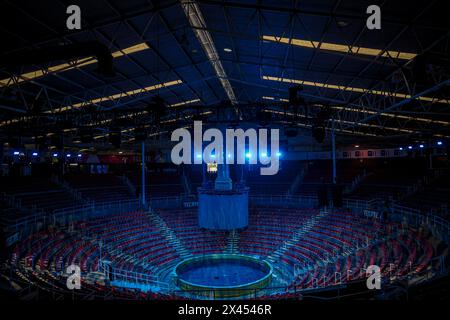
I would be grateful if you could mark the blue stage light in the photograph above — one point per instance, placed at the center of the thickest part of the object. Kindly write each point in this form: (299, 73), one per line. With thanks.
(79, 155)
(421, 146)
(55, 154)
(16, 153)
(279, 154)
(248, 155)
(34, 154)
(199, 156)
(401, 148)
(439, 143)
(263, 154)
(68, 155)
(409, 147)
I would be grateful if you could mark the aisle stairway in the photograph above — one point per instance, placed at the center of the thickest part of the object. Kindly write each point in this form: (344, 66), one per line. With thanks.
(123, 256)
(296, 236)
(169, 235)
(233, 242)
(298, 180)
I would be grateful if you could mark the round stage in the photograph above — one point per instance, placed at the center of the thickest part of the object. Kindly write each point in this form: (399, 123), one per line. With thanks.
(223, 275)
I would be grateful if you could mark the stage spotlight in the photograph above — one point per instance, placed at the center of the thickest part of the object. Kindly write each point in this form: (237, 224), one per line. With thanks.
(68, 155)
(279, 154)
(248, 155)
(263, 154)
(79, 155)
(34, 154)
(55, 155)
(409, 147)
(401, 148)
(16, 153)
(199, 156)
(421, 146)
(439, 143)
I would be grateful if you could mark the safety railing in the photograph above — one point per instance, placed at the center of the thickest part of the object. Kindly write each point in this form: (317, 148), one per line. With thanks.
(438, 225)
(303, 201)
(401, 214)
(283, 200)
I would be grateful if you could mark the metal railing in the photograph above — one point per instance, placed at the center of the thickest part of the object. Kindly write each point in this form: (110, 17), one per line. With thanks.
(401, 214)
(411, 216)
(304, 201)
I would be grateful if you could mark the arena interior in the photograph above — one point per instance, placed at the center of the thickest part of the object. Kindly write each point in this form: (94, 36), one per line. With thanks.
(354, 100)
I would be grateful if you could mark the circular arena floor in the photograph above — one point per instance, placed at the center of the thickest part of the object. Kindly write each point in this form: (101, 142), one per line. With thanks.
(223, 275)
(286, 251)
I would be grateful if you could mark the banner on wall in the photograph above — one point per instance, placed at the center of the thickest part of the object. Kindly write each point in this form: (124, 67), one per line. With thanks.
(190, 204)
(371, 214)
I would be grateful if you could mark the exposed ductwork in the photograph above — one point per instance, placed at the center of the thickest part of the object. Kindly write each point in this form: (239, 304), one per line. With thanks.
(64, 52)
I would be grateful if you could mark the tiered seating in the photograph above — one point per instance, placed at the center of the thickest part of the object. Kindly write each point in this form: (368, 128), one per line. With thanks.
(10, 214)
(100, 187)
(434, 197)
(196, 240)
(134, 235)
(408, 254)
(37, 192)
(133, 239)
(269, 228)
(160, 182)
(278, 184)
(321, 172)
(337, 247)
(390, 180)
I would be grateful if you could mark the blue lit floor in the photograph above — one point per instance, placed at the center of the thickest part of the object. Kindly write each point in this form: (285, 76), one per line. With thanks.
(134, 285)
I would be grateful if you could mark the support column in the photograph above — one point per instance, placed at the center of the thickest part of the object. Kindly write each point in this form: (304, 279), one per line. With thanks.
(1, 159)
(333, 144)
(430, 154)
(143, 201)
